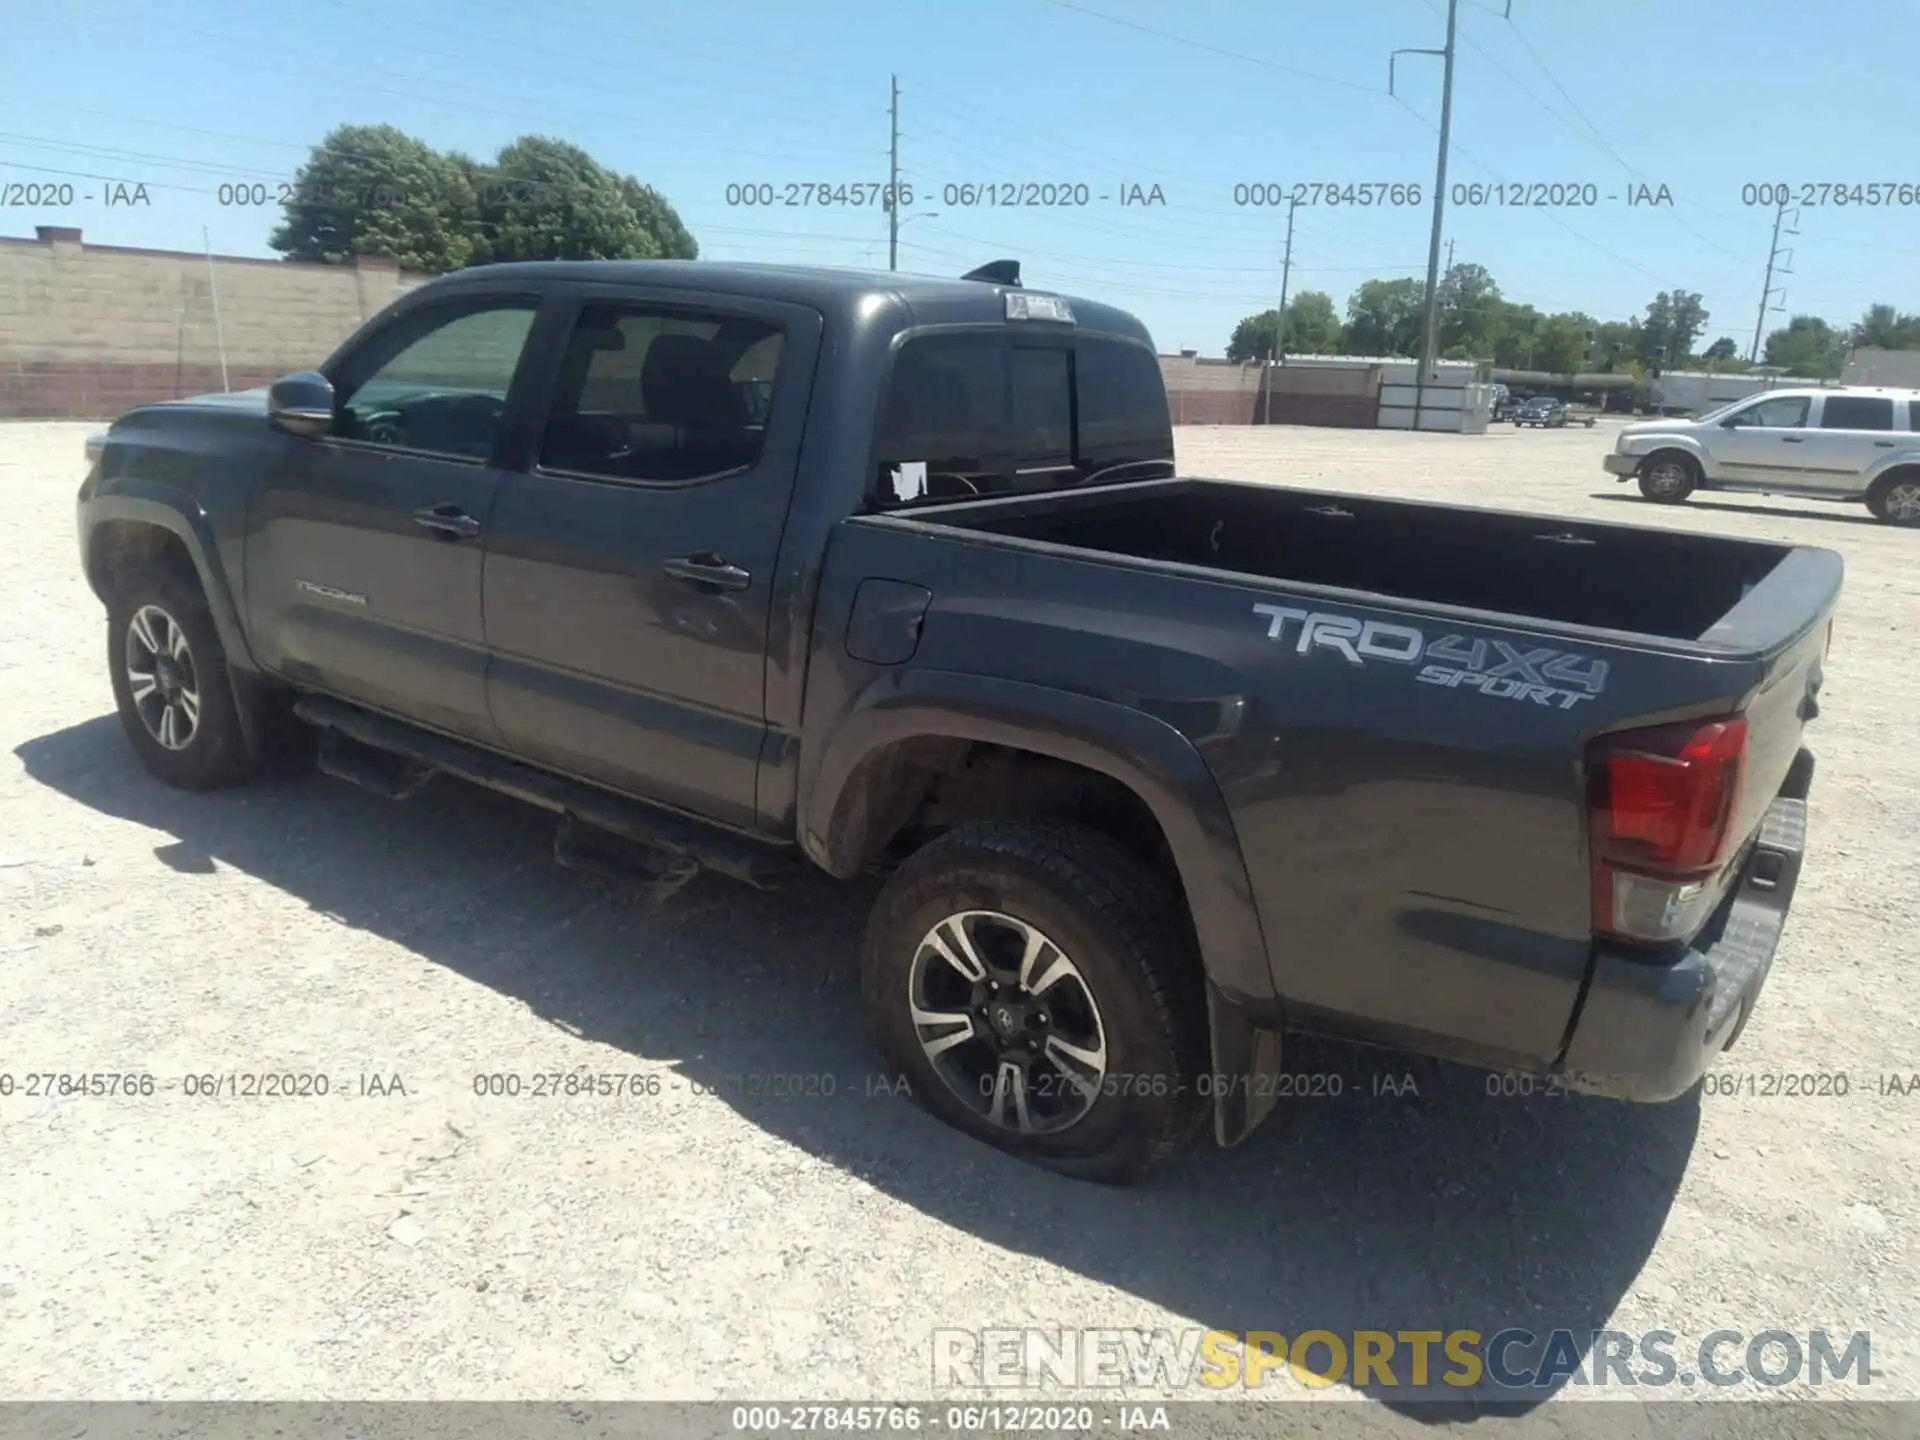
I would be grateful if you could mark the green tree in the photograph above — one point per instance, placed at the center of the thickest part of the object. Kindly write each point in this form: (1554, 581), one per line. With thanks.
(1616, 344)
(1313, 328)
(1470, 307)
(1885, 328)
(1808, 346)
(1721, 349)
(660, 220)
(374, 190)
(545, 199)
(1384, 317)
(1516, 336)
(1255, 337)
(1562, 342)
(1313, 324)
(1674, 321)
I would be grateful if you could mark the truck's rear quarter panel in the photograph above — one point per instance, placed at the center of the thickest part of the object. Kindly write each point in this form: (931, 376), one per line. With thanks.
(1417, 849)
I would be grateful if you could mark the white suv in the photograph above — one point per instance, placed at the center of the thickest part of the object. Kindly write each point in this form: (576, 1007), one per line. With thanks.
(1846, 443)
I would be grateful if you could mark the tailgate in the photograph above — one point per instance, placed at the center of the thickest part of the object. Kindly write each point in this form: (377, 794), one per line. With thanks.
(1788, 619)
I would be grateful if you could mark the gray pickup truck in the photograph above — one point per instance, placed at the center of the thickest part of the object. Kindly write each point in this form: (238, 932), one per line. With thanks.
(753, 568)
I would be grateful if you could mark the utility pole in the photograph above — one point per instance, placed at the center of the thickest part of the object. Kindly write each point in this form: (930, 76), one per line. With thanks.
(1766, 285)
(1278, 352)
(1430, 338)
(1449, 257)
(893, 175)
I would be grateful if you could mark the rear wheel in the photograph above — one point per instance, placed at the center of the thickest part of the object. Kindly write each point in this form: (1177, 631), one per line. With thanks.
(170, 682)
(1895, 498)
(1669, 478)
(1037, 987)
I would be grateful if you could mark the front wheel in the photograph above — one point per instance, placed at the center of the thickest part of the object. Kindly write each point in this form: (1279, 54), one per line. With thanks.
(1037, 987)
(1668, 479)
(1895, 499)
(170, 683)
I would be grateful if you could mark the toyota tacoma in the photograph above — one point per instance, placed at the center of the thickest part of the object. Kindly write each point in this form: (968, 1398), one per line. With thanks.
(757, 568)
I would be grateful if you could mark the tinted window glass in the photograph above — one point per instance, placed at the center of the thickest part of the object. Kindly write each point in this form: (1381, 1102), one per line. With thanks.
(1123, 406)
(946, 413)
(1042, 410)
(984, 414)
(652, 394)
(1913, 415)
(1856, 412)
(1785, 413)
(445, 389)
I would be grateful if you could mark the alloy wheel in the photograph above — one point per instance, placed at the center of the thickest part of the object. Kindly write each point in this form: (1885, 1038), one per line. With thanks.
(1903, 502)
(1669, 477)
(1008, 1022)
(161, 677)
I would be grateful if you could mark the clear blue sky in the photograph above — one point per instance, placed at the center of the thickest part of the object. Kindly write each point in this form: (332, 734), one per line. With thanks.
(1702, 96)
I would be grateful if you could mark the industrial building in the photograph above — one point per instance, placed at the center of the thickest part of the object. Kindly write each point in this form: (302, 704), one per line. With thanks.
(1357, 392)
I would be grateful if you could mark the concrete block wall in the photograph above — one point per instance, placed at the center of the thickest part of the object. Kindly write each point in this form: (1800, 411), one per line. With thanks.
(1210, 392)
(87, 331)
(1340, 392)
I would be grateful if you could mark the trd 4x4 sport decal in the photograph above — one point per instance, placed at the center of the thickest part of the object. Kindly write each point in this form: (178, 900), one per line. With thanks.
(1493, 667)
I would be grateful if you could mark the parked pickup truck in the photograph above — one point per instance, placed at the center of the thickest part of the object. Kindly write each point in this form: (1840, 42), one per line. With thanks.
(751, 568)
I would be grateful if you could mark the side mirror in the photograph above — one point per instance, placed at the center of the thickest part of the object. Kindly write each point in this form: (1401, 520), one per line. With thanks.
(1732, 424)
(301, 404)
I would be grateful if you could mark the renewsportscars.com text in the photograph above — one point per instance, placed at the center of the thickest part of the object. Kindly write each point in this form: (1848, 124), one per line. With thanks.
(1513, 1358)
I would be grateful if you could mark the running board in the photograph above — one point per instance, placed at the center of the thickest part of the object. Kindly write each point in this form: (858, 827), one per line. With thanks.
(409, 756)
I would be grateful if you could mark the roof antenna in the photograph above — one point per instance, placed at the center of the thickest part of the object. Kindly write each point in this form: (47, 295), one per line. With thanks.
(996, 272)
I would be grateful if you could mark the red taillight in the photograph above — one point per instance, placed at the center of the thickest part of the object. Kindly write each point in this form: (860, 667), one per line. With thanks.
(1662, 808)
(1671, 813)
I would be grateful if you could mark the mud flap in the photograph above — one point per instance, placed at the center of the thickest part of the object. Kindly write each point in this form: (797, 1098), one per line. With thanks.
(1246, 1069)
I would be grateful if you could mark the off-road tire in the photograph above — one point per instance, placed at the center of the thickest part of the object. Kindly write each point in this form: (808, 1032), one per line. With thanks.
(1126, 932)
(216, 753)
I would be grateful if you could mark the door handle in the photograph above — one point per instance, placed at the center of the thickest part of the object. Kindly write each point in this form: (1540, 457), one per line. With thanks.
(1793, 439)
(709, 570)
(447, 519)
(1883, 444)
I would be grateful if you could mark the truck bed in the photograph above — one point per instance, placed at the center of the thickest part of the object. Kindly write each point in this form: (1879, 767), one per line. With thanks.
(1669, 583)
(1394, 699)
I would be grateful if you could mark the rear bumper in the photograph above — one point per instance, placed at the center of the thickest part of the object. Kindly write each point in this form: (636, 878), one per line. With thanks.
(1647, 1031)
(1621, 465)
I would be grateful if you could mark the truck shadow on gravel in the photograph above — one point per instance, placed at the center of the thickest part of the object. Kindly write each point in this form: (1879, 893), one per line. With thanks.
(1834, 514)
(1413, 1199)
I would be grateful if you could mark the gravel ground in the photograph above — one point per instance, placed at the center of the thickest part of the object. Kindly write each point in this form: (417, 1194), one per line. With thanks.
(714, 1239)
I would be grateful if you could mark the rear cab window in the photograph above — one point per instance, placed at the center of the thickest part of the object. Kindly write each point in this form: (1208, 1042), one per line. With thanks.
(987, 412)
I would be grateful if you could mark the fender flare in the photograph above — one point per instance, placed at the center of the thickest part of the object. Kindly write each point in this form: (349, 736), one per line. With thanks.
(1149, 756)
(147, 502)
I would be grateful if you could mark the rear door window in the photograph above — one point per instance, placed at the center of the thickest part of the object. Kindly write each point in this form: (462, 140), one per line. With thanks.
(661, 395)
(1856, 412)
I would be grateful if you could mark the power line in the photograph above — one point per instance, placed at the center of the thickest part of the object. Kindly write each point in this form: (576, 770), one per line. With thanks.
(1192, 44)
